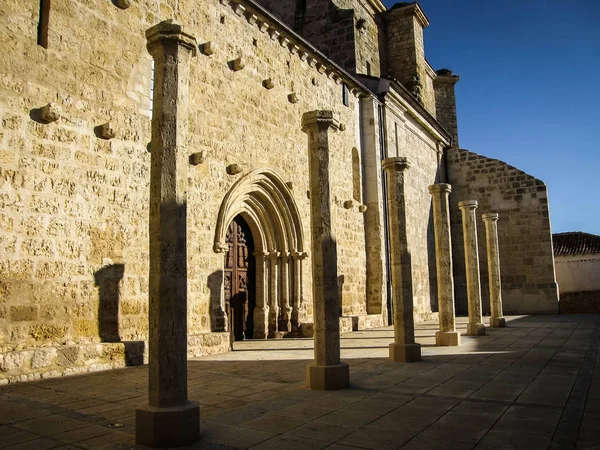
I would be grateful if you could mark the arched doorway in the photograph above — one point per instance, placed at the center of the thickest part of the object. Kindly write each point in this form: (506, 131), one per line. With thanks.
(263, 201)
(239, 275)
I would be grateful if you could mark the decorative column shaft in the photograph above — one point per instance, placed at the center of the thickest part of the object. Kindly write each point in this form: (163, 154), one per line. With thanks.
(404, 348)
(443, 260)
(327, 371)
(261, 309)
(475, 327)
(285, 325)
(297, 288)
(273, 258)
(491, 232)
(169, 419)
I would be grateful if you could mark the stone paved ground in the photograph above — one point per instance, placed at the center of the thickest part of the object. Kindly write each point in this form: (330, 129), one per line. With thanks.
(532, 385)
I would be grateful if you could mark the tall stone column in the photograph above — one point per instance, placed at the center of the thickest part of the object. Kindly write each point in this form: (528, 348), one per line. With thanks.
(261, 309)
(169, 419)
(475, 327)
(327, 371)
(404, 348)
(491, 233)
(285, 325)
(273, 258)
(443, 261)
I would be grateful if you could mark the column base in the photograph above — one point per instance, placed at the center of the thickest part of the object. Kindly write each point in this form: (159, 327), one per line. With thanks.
(327, 378)
(167, 427)
(497, 322)
(405, 352)
(447, 338)
(475, 329)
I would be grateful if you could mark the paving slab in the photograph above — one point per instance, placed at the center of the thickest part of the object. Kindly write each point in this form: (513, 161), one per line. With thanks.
(532, 385)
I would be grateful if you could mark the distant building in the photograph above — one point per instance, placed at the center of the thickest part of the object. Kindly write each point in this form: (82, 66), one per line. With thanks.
(577, 260)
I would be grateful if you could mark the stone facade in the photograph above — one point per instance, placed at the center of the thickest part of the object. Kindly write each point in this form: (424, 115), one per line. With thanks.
(524, 235)
(75, 172)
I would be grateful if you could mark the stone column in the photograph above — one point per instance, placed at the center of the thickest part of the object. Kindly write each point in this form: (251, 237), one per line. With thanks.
(273, 258)
(475, 327)
(327, 371)
(404, 348)
(297, 288)
(261, 309)
(285, 313)
(443, 261)
(169, 419)
(491, 232)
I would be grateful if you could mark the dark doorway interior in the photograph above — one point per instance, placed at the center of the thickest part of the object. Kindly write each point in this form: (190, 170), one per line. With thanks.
(240, 280)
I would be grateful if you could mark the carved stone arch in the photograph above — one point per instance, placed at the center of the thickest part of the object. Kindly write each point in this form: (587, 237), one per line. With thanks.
(269, 208)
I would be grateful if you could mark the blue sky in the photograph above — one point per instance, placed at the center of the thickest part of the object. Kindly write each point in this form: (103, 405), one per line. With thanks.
(529, 91)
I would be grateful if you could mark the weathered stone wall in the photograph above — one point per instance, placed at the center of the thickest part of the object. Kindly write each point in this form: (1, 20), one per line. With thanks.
(74, 206)
(406, 51)
(524, 235)
(407, 138)
(445, 105)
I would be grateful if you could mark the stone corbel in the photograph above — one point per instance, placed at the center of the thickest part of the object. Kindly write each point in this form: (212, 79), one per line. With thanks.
(294, 49)
(238, 64)
(321, 68)
(122, 4)
(303, 55)
(362, 208)
(107, 131)
(198, 158)
(238, 8)
(234, 169)
(268, 84)
(348, 204)
(342, 127)
(274, 33)
(284, 41)
(251, 18)
(263, 26)
(50, 113)
(293, 97)
(208, 48)
(220, 247)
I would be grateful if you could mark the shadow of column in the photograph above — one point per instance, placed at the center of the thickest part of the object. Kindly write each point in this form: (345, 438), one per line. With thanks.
(107, 279)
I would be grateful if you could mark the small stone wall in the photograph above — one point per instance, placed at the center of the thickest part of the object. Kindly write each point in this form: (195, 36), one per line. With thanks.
(584, 302)
(52, 362)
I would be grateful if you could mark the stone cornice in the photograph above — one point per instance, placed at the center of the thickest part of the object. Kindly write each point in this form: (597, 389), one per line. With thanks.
(415, 10)
(377, 5)
(258, 16)
(453, 79)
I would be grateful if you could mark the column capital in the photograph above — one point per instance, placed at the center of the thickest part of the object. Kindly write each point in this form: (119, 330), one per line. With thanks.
(440, 187)
(169, 31)
(299, 255)
(467, 204)
(325, 118)
(492, 217)
(396, 164)
(273, 255)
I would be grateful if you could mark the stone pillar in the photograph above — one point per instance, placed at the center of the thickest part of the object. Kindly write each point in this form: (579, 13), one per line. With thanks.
(273, 258)
(404, 348)
(285, 325)
(327, 371)
(491, 232)
(297, 288)
(169, 419)
(261, 309)
(443, 261)
(475, 327)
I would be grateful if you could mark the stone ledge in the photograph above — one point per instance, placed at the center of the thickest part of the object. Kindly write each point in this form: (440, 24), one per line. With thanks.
(208, 344)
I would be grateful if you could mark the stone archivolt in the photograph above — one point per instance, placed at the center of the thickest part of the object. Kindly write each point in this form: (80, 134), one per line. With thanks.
(262, 198)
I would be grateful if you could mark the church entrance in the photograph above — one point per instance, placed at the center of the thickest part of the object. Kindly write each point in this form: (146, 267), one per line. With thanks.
(239, 280)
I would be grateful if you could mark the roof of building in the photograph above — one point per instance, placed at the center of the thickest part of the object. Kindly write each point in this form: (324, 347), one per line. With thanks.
(575, 243)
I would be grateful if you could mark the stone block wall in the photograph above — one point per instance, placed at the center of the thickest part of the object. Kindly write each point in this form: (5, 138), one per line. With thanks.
(407, 138)
(524, 234)
(406, 51)
(74, 205)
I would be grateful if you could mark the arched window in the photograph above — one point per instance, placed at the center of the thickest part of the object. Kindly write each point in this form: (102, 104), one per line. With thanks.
(356, 185)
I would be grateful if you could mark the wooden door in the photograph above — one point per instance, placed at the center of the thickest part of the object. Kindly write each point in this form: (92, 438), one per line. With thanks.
(239, 279)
